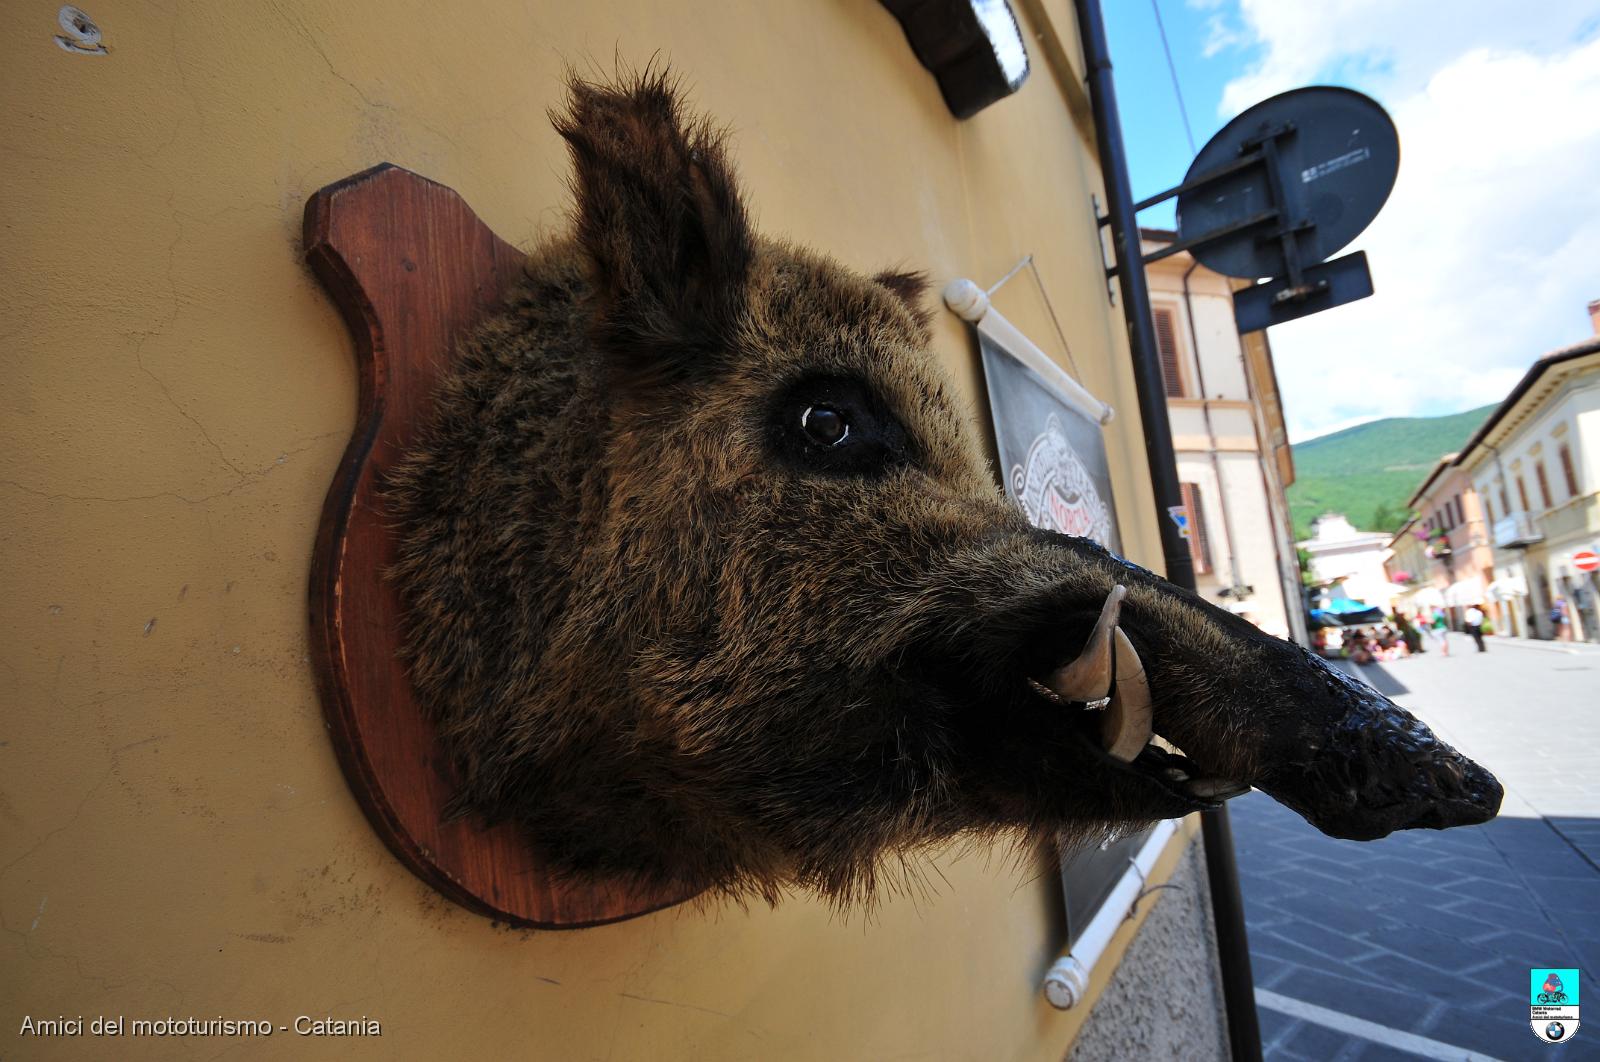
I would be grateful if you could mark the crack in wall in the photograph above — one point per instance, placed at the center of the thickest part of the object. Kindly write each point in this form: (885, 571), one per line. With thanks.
(246, 479)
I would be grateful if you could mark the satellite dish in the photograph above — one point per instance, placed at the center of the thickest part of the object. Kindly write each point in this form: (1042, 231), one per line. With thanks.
(1330, 158)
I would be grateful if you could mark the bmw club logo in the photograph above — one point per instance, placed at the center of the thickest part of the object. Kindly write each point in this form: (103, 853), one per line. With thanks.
(1553, 1004)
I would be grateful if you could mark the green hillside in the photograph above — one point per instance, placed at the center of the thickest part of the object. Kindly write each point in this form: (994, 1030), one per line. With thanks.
(1367, 472)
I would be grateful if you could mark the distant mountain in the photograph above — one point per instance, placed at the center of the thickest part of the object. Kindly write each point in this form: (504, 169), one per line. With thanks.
(1367, 472)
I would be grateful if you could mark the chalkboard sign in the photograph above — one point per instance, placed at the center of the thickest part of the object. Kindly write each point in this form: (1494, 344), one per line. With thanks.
(1052, 452)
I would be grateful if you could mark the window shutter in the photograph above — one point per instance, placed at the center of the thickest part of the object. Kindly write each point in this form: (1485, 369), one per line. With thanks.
(1544, 483)
(1522, 494)
(1199, 538)
(1569, 473)
(1167, 346)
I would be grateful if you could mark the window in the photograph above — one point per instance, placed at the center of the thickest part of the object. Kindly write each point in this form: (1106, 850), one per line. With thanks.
(1568, 472)
(1199, 539)
(1488, 509)
(1461, 514)
(1505, 502)
(1522, 494)
(1544, 483)
(1167, 346)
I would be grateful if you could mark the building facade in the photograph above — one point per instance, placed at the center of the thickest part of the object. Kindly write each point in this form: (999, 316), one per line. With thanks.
(1445, 549)
(1408, 563)
(1341, 554)
(1535, 465)
(1232, 447)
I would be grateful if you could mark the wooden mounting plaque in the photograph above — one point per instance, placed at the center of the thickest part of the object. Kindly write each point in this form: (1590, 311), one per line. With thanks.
(411, 268)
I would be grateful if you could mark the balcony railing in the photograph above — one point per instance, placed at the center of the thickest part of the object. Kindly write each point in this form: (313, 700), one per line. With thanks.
(1576, 516)
(1516, 530)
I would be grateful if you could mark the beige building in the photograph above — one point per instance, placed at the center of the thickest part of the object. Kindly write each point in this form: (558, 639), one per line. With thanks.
(179, 838)
(1535, 464)
(1233, 450)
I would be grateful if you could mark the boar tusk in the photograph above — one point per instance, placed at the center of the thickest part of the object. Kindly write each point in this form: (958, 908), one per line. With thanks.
(1108, 674)
(1130, 720)
(1217, 788)
(1087, 679)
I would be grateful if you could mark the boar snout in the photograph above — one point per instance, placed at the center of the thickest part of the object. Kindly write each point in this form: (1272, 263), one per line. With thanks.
(1375, 769)
(1249, 710)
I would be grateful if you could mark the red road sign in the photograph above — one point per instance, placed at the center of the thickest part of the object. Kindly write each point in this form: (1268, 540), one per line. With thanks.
(1585, 560)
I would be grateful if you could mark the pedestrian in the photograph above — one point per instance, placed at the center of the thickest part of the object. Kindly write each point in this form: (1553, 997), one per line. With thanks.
(1358, 649)
(1474, 622)
(1439, 631)
(1408, 633)
(1558, 619)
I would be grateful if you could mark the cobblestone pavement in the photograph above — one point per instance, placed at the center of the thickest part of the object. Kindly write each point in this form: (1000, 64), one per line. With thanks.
(1433, 933)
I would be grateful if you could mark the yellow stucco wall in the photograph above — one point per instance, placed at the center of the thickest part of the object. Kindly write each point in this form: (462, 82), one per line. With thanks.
(175, 835)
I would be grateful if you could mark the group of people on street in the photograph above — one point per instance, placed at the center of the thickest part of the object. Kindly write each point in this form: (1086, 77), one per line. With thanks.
(1367, 645)
(1402, 637)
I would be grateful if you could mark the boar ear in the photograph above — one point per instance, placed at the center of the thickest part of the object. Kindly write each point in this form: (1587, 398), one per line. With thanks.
(909, 288)
(659, 215)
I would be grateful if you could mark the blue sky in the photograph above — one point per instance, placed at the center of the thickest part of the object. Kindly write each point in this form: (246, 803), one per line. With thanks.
(1153, 124)
(1489, 249)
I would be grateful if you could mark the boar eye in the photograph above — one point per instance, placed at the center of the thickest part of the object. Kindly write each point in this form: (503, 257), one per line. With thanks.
(835, 426)
(825, 426)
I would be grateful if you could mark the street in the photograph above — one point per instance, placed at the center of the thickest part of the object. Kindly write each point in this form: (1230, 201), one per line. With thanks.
(1420, 945)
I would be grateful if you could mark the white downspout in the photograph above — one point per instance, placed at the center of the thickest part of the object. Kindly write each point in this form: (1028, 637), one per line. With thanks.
(1067, 983)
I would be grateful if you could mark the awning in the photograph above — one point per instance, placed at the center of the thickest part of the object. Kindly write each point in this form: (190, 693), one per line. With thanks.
(1508, 587)
(1341, 610)
(1366, 617)
(1427, 597)
(1464, 592)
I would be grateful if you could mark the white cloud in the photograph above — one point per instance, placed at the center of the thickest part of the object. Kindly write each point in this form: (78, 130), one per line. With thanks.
(1485, 255)
(1388, 46)
(1221, 35)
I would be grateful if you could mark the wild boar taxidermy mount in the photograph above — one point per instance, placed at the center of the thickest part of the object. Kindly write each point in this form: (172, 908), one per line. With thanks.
(706, 587)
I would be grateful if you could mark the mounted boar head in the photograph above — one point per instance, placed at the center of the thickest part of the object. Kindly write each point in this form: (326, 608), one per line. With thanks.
(706, 587)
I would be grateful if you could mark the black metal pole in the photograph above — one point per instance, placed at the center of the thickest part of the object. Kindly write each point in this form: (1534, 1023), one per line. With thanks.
(1222, 873)
(1233, 946)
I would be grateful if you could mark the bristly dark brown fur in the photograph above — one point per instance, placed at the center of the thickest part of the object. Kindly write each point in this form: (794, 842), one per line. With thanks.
(674, 640)
(911, 289)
